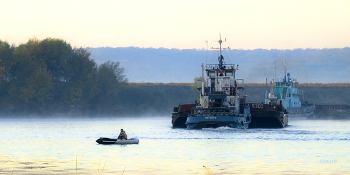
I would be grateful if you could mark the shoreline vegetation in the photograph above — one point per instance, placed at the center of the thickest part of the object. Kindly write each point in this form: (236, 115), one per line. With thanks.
(51, 78)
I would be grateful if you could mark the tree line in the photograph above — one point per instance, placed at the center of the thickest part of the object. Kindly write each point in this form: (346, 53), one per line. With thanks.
(47, 77)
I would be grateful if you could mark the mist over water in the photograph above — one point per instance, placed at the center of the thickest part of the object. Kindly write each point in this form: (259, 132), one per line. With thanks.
(53, 146)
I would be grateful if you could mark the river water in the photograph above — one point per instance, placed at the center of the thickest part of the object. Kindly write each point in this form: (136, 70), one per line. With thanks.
(66, 146)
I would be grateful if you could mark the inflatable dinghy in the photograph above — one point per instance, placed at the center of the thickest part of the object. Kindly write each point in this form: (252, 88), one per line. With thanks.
(105, 140)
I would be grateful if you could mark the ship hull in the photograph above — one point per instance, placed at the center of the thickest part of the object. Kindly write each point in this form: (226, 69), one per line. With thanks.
(268, 119)
(335, 111)
(267, 116)
(179, 120)
(180, 114)
(199, 122)
(304, 112)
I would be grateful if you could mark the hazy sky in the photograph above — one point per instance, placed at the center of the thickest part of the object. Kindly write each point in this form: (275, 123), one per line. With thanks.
(182, 24)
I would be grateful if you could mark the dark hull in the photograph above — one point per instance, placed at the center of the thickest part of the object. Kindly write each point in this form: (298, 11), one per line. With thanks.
(107, 141)
(268, 119)
(332, 112)
(179, 119)
(180, 114)
(267, 116)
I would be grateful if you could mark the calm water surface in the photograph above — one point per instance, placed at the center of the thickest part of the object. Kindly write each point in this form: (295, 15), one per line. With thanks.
(63, 146)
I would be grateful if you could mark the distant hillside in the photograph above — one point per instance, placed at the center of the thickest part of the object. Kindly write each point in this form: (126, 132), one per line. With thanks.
(173, 65)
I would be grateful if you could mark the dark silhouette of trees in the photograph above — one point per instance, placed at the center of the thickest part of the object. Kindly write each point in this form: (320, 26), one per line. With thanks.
(110, 81)
(50, 77)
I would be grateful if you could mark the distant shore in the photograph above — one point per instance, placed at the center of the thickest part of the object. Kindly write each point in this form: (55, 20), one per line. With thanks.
(248, 84)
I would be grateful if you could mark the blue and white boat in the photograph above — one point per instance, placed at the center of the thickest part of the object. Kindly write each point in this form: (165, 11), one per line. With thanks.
(221, 102)
(285, 92)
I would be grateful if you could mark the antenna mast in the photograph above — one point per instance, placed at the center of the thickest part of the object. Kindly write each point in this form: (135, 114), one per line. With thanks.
(206, 54)
(220, 41)
(275, 67)
(285, 68)
(221, 58)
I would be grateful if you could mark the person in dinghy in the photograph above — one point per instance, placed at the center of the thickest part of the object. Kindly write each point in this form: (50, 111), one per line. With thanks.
(122, 135)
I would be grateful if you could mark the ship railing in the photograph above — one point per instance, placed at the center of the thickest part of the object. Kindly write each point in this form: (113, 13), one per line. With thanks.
(212, 111)
(224, 90)
(280, 80)
(216, 66)
(295, 91)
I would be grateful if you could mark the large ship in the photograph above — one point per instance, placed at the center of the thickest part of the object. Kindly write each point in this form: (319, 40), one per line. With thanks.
(285, 92)
(221, 103)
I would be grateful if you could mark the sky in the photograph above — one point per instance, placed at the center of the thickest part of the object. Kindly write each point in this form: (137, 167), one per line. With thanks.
(180, 24)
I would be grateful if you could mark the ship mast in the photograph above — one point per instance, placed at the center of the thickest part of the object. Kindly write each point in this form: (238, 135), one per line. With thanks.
(285, 70)
(220, 58)
(220, 41)
(275, 69)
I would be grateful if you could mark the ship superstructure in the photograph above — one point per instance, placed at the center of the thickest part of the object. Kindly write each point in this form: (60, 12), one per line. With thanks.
(221, 103)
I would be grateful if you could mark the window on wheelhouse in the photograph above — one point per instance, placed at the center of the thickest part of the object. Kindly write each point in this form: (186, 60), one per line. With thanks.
(211, 74)
(229, 73)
